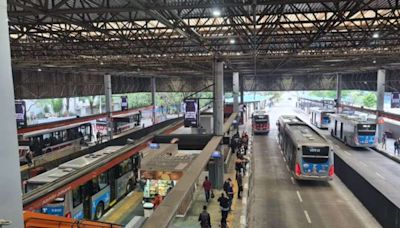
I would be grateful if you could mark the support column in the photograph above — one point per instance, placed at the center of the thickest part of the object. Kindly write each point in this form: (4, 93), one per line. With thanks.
(235, 91)
(153, 98)
(108, 94)
(218, 97)
(10, 191)
(380, 94)
(338, 92)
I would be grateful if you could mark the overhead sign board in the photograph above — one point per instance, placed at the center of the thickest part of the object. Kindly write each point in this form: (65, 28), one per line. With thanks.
(395, 102)
(20, 112)
(124, 103)
(192, 114)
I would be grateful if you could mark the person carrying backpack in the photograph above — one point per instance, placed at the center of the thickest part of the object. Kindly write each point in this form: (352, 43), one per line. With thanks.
(204, 218)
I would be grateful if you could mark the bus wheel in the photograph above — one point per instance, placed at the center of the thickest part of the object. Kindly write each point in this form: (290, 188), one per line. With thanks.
(129, 186)
(99, 210)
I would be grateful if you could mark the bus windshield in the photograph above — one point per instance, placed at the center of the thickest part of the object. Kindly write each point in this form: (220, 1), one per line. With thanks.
(315, 154)
(366, 129)
(260, 118)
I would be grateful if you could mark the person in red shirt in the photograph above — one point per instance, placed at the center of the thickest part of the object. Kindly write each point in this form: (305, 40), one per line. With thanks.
(207, 185)
(157, 201)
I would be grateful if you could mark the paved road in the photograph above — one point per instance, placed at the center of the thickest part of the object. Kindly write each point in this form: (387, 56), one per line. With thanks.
(282, 202)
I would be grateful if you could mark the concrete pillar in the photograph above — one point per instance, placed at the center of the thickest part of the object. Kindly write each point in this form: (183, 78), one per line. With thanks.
(380, 94)
(108, 94)
(338, 92)
(153, 98)
(235, 91)
(241, 79)
(218, 97)
(10, 177)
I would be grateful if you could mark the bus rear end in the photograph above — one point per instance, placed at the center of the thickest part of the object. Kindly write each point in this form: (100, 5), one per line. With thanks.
(366, 135)
(314, 163)
(325, 119)
(260, 124)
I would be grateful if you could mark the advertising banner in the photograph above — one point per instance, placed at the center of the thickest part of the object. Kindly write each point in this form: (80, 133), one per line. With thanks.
(395, 103)
(191, 109)
(20, 111)
(124, 103)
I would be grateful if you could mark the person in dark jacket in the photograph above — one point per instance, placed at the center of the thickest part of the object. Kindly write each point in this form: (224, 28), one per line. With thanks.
(204, 218)
(224, 204)
(239, 180)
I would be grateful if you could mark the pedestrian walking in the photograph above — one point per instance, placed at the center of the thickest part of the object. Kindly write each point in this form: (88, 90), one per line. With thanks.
(226, 186)
(396, 146)
(29, 158)
(98, 137)
(384, 141)
(245, 142)
(239, 180)
(207, 186)
(230, 193)
(238, 164)
(204, 218)
(224, 204)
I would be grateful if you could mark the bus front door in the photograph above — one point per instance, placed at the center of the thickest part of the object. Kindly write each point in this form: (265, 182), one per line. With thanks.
(87, 200)
(341, 130)
(113, 185)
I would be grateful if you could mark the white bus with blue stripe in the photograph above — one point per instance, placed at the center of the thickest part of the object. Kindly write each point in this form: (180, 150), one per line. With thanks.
(354, 130)
(90, 198)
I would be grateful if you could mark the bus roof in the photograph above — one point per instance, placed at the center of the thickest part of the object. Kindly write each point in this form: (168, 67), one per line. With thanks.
(260, 113)
(290, 119)
(123, 115)
(73, 165)
(354, 119)
(49, 130)
(319, 109)
(304, 134)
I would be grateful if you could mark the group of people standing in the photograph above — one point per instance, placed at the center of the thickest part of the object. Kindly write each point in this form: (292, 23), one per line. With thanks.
(396, 144)
(239, 146)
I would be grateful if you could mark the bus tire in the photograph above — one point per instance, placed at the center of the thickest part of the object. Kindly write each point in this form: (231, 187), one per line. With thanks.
(99, 211)
(129, 187)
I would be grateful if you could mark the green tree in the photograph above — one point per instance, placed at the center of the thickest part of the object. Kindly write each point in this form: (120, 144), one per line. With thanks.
(57, 105)
(370, 100)
(46, 109)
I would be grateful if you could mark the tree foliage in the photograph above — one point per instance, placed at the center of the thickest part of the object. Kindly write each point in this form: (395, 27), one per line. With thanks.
(370, 100)
(57, 105)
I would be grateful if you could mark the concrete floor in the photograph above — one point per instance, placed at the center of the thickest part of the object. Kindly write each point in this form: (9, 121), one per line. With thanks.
(279, 201)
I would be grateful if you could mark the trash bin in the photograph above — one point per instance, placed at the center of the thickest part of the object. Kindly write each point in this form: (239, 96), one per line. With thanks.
(148, 209)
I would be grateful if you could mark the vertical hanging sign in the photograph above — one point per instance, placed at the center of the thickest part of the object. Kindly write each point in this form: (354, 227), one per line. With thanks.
(192, 114)
(124, 103)
(395, 103)
(20, 112)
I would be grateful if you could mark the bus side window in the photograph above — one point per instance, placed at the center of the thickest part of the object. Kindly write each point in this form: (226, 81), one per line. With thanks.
(95, 186)
(103, 180)
(76, 196)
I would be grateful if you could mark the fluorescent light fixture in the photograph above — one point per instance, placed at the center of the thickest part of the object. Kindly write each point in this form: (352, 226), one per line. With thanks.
(216, 12)
(232, 41)
(375, 35)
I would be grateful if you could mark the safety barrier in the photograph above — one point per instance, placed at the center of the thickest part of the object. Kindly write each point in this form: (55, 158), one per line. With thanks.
(382, 208)
(34, 220)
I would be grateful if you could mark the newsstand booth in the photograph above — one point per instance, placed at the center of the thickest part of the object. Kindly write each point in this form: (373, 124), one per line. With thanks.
(161, 168)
